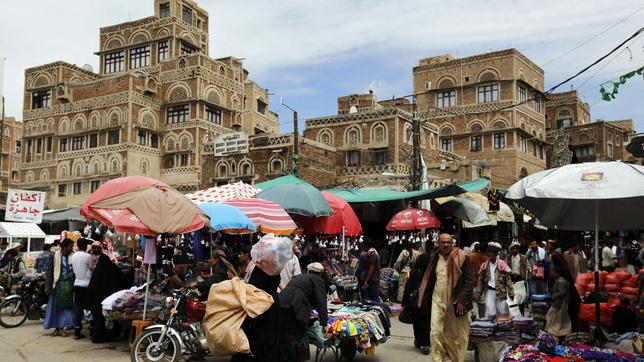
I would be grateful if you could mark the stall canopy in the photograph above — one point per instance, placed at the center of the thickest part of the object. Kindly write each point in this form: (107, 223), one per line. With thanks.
(24, 230)
(375, 195)
(69, 214)
(283, 180)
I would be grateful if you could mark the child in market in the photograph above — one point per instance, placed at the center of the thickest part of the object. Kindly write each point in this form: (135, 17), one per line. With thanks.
(494, 285)
(557, 320)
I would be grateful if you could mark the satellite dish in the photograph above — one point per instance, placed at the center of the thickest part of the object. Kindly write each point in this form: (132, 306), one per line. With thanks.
(88, 68)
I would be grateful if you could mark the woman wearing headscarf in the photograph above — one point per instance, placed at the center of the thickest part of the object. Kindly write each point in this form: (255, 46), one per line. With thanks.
(106, 280)
(222, 270)
(421, 321)
(60, 288)
(262, 331)
(302, 295)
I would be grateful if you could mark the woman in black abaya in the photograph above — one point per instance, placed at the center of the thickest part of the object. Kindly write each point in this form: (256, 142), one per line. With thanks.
(106, 280)
(262, 332)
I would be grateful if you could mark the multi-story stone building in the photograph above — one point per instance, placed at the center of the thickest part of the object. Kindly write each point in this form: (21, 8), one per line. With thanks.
(569, 131)
(10, 156)
(156, 104)
(373, 140)
(489, 108)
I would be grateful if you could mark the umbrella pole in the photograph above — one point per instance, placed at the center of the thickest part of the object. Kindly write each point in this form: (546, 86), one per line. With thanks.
(597, 308)
(147, 290)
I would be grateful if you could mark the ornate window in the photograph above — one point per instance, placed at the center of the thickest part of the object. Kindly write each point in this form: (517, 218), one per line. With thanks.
(476, 143)
(499, 141)
(144, 167)
(476, 128)
(446, 83)
(487, 77)
(78, 125)
(379, 133)
(246, 169)
(353, 136)
(184, 142)
(325, 137)
(41, 99)
(113, 62)
(276, 165)
(187, 48)
(488, 93)
(446, 99)
(178, 114)
(140, 57)
(446, 144)
(213, 114)
(446, 131)
(163, 50)
(498, 125)
(115, 166)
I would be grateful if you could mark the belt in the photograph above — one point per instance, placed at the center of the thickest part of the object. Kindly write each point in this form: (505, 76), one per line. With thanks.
(489, 287)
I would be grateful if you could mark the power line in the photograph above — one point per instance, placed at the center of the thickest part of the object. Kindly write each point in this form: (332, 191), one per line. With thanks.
(592, 38)
(636, 34)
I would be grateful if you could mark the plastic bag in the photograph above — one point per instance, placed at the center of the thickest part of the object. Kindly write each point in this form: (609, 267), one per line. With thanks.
(271, 253)
(520, 292)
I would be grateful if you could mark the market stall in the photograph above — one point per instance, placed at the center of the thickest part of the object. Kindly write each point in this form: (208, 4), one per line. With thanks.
(23, 233)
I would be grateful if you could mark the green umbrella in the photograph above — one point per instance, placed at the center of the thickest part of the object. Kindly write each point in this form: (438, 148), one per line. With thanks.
(301, 199)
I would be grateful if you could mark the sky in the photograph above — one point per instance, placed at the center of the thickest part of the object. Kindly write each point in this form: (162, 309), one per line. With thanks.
(311, 52)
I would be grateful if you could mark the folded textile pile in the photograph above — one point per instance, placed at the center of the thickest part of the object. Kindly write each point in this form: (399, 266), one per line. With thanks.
(526, 327)
(482, 330)
(578, 353)
(540, 303)
(505, 331)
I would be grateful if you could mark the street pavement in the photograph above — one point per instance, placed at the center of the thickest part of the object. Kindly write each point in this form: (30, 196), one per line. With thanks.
(33, 344)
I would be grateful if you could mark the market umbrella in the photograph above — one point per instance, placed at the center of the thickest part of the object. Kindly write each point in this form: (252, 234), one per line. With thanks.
(238, 190)
(586, 196)
(301, 199)
(467, 210)
(344, 219)
(266, 215)
(143, 205)
(227, 218)
(504, 214)
(413, 219)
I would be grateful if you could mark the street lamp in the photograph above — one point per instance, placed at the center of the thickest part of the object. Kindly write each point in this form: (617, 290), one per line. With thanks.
(296, 155)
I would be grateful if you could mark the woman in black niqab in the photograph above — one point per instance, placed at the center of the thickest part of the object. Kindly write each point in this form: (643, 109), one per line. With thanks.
(106, 280)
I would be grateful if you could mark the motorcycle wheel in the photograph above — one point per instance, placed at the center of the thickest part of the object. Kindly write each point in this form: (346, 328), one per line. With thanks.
(146, 348)
(13, 313)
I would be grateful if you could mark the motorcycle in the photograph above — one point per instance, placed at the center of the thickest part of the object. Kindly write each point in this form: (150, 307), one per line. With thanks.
(180, 331)
(29, 302)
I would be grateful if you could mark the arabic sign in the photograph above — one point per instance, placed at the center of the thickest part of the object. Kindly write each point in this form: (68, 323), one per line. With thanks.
(25, 206)
(231, 144)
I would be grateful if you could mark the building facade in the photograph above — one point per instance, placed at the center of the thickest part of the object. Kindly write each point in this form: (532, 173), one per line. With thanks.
(372, 140)
(489, 109)
(572, 135)
(11, 148)
(154, 107)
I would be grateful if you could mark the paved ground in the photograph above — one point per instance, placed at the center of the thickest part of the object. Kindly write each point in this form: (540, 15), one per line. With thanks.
(31, 343)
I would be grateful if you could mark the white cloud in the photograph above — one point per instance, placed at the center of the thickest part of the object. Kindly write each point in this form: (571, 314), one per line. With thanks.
(276, 36)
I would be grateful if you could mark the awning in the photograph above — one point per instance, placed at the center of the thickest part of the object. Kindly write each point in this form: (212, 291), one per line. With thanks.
(69, 214)
(375, 195)
(20, 230)
(504, 214)
(283, 180)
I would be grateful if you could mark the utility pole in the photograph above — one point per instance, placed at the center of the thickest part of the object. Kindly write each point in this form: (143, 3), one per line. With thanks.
(296, 140)
(416, 165)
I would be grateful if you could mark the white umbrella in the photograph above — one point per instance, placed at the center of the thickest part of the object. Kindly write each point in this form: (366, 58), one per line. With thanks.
(467, 210)
(587, 196)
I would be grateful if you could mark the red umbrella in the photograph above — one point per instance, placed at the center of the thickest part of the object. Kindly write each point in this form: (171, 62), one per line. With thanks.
(343, 215)
(413, 219)
(143, 205)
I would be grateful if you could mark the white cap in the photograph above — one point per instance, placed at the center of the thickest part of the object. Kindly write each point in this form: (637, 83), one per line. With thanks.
(315, 267)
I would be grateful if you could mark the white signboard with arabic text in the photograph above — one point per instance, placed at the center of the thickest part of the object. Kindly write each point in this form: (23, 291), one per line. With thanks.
(25, 206)
(231, 144)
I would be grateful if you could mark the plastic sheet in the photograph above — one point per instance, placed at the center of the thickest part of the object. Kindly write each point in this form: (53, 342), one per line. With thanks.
(271, 253)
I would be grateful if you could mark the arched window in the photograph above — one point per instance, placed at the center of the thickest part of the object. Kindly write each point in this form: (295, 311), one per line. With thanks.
(498, 125)
(78, 170)
(222, 170)
(246, 169)
(446, 131)
(144, 167)
(476, 128)
(115, 166)
(409, 134)
(170, 145)
(325, 137)
(379, 134)
(276, 165)
(353, 136)
(97, 168)
(353, 109)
